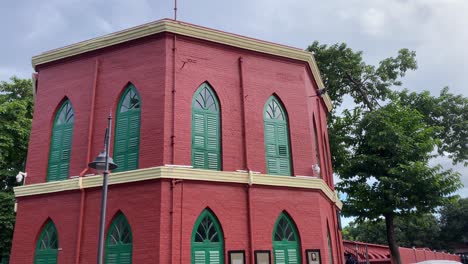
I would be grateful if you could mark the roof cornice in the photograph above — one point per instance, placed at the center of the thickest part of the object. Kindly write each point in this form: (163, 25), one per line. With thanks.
(189, 30)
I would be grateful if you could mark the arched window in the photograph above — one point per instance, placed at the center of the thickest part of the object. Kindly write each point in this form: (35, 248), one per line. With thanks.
(119, 242)
(278, 155)
(317, 151)
(206, 132)
(330, 250)
(207, 240)
(47, 245)
(61, 143)
(127, 130)
(286, 241)
(327, 161)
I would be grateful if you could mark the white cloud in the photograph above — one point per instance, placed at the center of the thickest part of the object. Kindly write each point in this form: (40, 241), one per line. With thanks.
(373, 21)
(47, 20)
(104, 25)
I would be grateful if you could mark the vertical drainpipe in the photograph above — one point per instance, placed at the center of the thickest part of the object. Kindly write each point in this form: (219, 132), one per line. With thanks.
(173, 182)
(88, 159)
(173, 92)
(246, 161)
(181, 217)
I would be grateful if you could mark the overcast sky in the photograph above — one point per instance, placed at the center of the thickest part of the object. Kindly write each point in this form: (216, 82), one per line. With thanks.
(436, 29)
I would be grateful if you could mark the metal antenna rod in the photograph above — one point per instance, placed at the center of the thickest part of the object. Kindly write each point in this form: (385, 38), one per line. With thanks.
(175, 9)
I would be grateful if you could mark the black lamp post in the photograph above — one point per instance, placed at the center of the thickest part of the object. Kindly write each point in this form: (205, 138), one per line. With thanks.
(103, 163)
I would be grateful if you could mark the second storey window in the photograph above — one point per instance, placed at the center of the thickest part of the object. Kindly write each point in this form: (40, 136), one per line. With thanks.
(278, 155)
(61, 143)
(127, 130)
(206, 132)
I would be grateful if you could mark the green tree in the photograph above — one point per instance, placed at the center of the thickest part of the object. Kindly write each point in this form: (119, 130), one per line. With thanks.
(454, 223)
(16, 107)
(388, 173)
(410, 231)
(366, 231)
(381, 143)
(345, 74)
(449, 112)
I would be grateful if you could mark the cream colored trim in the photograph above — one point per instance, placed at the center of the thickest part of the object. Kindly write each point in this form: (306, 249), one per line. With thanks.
(188, 30)
(169, 172)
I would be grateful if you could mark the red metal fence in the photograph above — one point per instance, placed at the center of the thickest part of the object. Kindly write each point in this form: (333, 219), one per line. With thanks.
(365, 253)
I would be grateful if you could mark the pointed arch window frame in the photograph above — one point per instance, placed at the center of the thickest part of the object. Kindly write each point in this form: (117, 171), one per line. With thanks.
(287, 245)
(126, 150)
(48, 252)
(207, 245)
(318, 156)
(329, 245)
(277, 150)
(206, 142)
(61, 139)
(119, 247)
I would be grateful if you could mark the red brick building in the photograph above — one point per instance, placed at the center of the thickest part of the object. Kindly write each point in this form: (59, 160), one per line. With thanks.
(221, 142)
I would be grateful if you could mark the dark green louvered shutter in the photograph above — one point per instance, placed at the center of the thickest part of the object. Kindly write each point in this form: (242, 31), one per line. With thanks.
(127, 131)
(207, 240)
(47, 245)
(285, 241)
(119, 242)
(278, 157)
(206, 143)
(61, 143)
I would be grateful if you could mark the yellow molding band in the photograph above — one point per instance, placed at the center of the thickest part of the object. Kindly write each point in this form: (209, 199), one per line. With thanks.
(188, 30)
(170, 172)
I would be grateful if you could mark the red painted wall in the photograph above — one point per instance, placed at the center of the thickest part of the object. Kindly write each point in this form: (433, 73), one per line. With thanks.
(148, 64)
(162, 219)
(264, 75)
(141, 62)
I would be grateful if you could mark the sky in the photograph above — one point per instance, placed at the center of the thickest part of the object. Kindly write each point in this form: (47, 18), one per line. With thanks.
(436, 29)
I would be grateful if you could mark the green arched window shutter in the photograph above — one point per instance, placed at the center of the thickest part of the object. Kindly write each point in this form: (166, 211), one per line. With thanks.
(119, 242)
(206, 138)
(47, 245)
(207, 240)
(127, 130)
(278, 156)
(286, 241)
(330, 251)
(61, 143)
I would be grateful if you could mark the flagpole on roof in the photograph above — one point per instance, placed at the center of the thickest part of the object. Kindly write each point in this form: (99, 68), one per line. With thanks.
(175, 9)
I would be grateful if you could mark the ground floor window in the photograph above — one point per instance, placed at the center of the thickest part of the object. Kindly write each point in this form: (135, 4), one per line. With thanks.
(47, 245)
(286, 241)
(119, 242)
(207, 240)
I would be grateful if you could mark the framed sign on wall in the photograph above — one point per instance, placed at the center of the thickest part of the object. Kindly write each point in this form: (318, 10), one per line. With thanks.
(262, 257)
(236, 256)
(313, 256)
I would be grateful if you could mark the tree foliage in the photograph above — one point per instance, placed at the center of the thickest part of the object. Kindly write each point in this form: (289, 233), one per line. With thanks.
(411, 231)
(347, 75)
(382, 141)
(388, 173)
(442, 231)
(7, 221)
(16, 107)
(344, 73)
(454, 223)
(449, 113)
